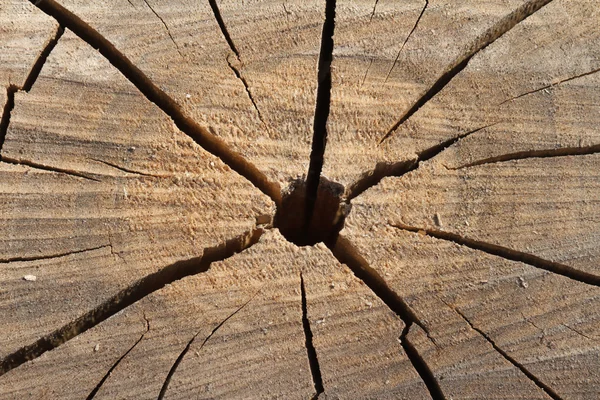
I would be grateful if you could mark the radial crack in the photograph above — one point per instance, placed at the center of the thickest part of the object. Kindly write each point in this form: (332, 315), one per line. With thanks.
(384, 170)
(546, 153)
(239, 75)
(153, 93)
(487, 38)
(165, 385)
(406, 40)
(51, 256)
(27, 84)
(323, 104)
(420, 365)
(127, 170)
(130, 295)
(347, 254)
(224, 31)
(549, 391)
(116, 364)
(373, 12)
(507, 253)
(553, 84)
(166, 27)
(313, 360)
(43, 167)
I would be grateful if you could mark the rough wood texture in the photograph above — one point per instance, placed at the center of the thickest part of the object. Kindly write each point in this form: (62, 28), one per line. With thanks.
(145, 147)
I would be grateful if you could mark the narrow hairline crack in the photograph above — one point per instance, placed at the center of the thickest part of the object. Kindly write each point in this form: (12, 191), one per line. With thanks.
(553, 84)
(322, 108)
(384, 170)
(51, 256)
(311, 351)
(496, 31)
(130, 295)
(237, 71)
(528, 154)
(547, 389)
(175, 365)
(373, 12)
(32, 76)
(420, 365)
(239, 75)
(166, 27)
(116, 363)
(406, 40)
(507, 253)
(49, 168)
(127, 170)
(209, 142)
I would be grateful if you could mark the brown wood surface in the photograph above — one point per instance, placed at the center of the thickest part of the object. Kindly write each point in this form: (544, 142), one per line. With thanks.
(143, 147)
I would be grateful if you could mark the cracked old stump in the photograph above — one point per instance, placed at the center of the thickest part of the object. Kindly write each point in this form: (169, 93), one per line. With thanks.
(159, 238)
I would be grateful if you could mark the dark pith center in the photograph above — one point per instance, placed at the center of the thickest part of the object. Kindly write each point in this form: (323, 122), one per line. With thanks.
(327, 218)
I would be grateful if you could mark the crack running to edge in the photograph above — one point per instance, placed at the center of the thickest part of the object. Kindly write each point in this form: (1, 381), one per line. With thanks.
(130, 295)
(313, 360)
(165, 385)
(556, 83)
(166, 27)
(548, 390)
(223, 27)
(373, 12)
(43, 167)
(522, 155)
(420, 365)
(384, 170)
(209, 142)
(27, 85)
(406, 40)
(490, 36)
(508, 254)
(51, 256)
(323, 104)
(112, 368)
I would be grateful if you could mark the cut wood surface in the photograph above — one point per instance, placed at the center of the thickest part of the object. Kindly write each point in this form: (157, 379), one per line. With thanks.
(300, 199)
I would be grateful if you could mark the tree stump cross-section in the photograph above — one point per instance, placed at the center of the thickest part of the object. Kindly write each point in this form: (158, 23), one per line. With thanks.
(281, 199)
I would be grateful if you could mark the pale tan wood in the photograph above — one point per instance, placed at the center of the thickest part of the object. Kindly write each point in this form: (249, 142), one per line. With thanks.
(100, 192)
(24, 30)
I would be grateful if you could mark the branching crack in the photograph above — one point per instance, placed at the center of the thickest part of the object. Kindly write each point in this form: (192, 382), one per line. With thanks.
(488, 37)
(116, 364)
(166, 27)
(509, 254)
(313, 360)
(553, 84)
(165, 386)
(420, 365)
(127, 170)
(347, 254)
(545, 153)
(51, 256)
(27, 85)
(407, 38)
(323, 104)
(549, 391)
(43, 167)
(384, 170)
(199, 134)
(131, 295)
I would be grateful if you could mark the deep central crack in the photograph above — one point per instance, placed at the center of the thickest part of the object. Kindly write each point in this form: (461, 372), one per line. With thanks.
(327, 218)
